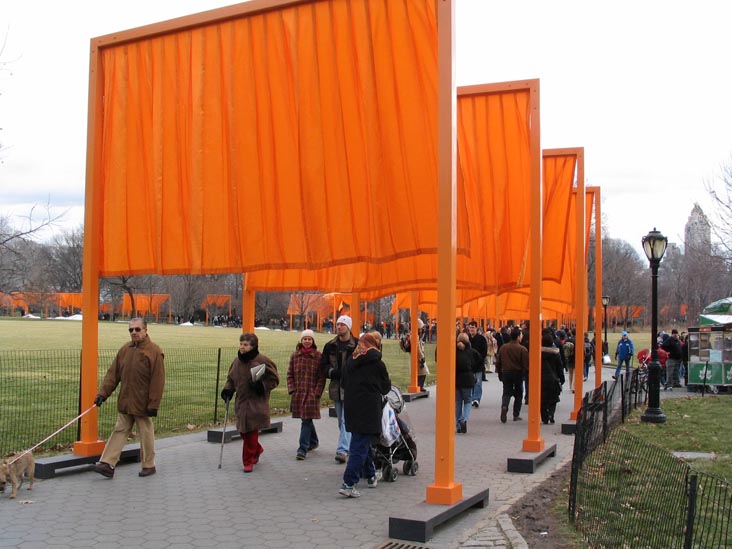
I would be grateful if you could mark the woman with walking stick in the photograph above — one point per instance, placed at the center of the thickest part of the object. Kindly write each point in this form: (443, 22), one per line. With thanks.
(252, 377)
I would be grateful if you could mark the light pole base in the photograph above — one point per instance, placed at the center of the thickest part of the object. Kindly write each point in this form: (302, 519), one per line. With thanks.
(653, 415)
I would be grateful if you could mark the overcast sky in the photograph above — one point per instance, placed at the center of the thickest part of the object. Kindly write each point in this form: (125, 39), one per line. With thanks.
(644, 87)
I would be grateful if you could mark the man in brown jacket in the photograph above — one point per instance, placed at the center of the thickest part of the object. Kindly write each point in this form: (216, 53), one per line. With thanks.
(512, 364)
(139, 367)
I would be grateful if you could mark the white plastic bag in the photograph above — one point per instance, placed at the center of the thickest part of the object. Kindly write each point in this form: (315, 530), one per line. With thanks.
(389, 426)
(606, 359)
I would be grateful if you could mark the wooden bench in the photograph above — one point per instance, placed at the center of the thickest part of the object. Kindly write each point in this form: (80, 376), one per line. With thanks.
(51, 466)
(527, 462)
(214, 435)
(419, 522)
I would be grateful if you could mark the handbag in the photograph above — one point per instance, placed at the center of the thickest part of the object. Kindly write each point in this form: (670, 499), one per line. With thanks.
(389, 426)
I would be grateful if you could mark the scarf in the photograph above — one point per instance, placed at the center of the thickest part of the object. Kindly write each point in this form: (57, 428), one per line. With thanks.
(249, 355)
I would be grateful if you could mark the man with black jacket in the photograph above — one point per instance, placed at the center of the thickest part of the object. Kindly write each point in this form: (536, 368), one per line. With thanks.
(335, 354)
(672, 345)
(480, 344)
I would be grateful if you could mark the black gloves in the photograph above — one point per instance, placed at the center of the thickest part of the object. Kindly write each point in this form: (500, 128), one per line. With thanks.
(151, 412)
(335, 373)
(257, 387)
(98, 400)
(226, 394)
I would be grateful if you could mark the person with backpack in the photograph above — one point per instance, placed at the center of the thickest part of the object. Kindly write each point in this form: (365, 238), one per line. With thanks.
(569, 359)
(589, 351)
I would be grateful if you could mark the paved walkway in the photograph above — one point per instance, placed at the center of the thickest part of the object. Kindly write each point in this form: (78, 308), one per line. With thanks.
(284, 503)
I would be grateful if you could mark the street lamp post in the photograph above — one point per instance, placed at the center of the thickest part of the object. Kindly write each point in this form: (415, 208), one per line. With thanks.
(605, 303)
(654, 246)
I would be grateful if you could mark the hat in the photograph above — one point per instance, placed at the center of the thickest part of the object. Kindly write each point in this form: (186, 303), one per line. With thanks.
(307, 333)
(623, 333)
(674, 331)
(344, 319)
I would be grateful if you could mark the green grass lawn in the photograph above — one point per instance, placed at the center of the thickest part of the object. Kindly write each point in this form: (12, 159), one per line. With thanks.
(39, 361)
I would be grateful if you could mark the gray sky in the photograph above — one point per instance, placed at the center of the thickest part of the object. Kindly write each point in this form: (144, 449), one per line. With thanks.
(642, 86)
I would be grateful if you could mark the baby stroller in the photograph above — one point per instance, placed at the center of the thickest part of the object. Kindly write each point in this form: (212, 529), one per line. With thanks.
(403, 449)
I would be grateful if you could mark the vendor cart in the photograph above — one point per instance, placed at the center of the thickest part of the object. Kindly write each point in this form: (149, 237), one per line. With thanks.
(710, 357)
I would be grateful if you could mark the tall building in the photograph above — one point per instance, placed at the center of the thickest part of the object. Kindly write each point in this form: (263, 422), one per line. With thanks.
(697, 232)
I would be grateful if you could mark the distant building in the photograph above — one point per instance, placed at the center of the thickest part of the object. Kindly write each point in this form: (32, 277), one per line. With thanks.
(698, 232)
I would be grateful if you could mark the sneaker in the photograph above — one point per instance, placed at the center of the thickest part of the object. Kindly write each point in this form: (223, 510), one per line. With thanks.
(476, 404)
(373, 481)
(341, 457)
(300, 456)
(104, 469)
(504, 412)
(349, 491)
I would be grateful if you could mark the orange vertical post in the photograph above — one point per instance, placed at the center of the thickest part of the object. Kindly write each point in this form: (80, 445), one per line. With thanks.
(598, 285)
(356, 314)
(89, 443)
(444, 490)
(580, 287)
(414, 355)
(533, 441)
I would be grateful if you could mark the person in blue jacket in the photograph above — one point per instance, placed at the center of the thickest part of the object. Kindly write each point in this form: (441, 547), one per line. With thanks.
(624, 354)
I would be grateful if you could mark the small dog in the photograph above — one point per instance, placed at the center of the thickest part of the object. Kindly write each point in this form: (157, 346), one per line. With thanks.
(14, 471)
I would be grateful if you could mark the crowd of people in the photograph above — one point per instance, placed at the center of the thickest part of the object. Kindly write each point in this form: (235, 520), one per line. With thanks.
(358, 382)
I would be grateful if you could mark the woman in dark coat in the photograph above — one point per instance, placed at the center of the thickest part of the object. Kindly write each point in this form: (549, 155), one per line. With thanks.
(252, 397)
(466, 362)
(305, 384)
(552, 378)
(365, 381)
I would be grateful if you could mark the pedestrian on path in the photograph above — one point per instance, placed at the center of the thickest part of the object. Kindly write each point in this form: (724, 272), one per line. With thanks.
(140, 367)
(466, 359)
(335, 354)
(252, 376)
(480, 345)
(305, 384)
(365, 381)
(552, 378)
(624, 354)
(512, 365)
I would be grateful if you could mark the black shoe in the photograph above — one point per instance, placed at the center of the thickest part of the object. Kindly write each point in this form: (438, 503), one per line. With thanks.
(504, 412)
(551, 420)
(104, 469)
(615, 377)
(146, 472)
(313, 447)
(463, 426)
(517, 418)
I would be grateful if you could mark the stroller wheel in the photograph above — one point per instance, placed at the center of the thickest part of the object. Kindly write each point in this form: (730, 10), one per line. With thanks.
(390, 473)
(410, 468)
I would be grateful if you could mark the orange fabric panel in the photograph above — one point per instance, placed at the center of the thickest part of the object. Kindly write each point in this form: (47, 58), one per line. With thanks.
(493, 197)
(558, 178)
(299, 137)
(144, 303)
(69, 299)
(217, 300)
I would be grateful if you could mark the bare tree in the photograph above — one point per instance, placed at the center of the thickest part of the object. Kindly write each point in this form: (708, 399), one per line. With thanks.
(624, 279)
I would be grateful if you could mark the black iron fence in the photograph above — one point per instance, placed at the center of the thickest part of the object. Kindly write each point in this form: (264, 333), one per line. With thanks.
(626, 492)
(39, 393)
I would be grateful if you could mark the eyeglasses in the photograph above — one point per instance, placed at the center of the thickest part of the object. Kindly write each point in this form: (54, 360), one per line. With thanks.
(135, 329)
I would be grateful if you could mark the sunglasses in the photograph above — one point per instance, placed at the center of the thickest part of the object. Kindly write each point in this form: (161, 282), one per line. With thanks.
(135, 329)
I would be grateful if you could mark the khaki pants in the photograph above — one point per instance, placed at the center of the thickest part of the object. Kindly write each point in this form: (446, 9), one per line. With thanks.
(118, 439)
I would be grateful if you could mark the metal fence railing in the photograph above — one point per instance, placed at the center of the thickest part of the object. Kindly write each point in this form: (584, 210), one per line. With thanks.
(40, 393)
(619, 483)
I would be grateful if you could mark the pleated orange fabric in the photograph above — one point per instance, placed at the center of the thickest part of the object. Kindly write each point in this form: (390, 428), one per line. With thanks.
(493, 201)
(144, 303)
(217, 300)
(301, 137)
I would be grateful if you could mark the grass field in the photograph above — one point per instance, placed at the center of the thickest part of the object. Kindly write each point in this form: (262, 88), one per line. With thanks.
(39, 361)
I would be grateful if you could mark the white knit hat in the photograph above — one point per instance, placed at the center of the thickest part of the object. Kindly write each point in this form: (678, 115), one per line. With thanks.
(344, 319)
(307, 333)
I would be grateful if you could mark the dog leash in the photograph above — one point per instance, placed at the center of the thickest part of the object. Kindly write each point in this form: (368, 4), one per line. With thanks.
(53, 434)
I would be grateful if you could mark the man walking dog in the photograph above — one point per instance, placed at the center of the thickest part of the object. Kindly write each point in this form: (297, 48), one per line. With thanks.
(139, 367)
